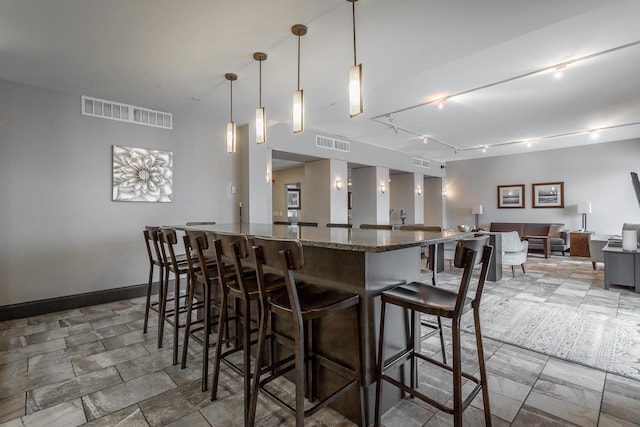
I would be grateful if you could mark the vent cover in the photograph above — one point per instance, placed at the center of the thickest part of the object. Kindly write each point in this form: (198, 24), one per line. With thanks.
(421, 163)
(126, 113)
(332, 144)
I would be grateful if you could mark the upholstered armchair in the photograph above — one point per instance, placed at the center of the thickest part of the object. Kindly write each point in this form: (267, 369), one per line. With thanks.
(514, 251)
(596, 243)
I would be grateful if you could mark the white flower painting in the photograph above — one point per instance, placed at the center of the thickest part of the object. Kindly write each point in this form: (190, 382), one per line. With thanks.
(142, 175)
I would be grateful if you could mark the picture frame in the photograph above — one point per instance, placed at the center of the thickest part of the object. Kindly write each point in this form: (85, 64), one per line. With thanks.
(548, 195)
(293, 198)
(141, 175)
(511, 196)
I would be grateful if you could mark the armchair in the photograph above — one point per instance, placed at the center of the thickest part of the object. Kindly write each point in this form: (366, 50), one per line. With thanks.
(514, 251)
(596, 243)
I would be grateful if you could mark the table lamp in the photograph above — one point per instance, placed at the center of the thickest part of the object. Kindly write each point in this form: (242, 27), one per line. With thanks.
(584, 208)
(477, 211)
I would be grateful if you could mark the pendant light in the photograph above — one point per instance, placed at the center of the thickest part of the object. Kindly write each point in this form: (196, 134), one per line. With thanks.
(231, 126)
(298, 30)
(261, 119)
(355, 74)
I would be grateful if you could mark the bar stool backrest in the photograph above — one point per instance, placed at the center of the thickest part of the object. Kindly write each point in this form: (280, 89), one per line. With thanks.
(231, 248)
(376, 226)
(195, 243)
(466, 256)
(168, 238)
(337, 225)
(190, 223)
(151, 239)
(286, 256)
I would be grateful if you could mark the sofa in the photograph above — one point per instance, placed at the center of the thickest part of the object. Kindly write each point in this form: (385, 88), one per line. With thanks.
(557, 238)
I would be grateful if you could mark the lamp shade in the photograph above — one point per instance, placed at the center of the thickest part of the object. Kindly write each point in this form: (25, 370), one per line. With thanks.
(476, 209)
(584, 207)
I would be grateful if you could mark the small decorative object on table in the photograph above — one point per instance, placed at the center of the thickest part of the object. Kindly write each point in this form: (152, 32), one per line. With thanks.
(464, 228)
(403, 215)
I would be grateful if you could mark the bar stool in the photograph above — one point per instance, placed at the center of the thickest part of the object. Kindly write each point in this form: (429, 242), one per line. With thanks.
(424, 298)
(153, 242)
(242, 285)
(204, 280)
(301, 305)
(178, 267)
(155, 260)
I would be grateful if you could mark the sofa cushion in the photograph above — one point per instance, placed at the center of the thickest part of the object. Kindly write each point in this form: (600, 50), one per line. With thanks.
(536, 229)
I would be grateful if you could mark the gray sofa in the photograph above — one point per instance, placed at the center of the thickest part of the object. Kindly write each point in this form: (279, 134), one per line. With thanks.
(556, 234)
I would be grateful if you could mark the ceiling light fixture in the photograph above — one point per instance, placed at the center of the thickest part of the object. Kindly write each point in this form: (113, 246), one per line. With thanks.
(425, 140)
(261, 119)
(355, 74)
(441, 103)
(298, 30)
(231, 126)
(558, 71)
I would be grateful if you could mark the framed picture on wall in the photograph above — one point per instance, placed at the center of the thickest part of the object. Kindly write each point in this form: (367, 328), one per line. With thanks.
(548, 195)
(293, 198)
(511, 196)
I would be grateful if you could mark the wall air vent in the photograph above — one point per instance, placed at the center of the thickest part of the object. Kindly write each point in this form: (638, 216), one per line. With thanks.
(126, 113)
(421, 163)
(332, 144)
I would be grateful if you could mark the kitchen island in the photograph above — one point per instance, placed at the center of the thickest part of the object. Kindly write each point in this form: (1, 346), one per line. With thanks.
(365, 262)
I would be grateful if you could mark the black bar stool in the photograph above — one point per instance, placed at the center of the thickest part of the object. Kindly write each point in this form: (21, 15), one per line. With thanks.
(178, 267)
(202, 296)
(151, 240)
(241, 285)
(424, 298)
(301, 304)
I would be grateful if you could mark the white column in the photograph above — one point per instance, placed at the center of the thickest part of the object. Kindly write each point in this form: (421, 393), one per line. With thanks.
(370, 195)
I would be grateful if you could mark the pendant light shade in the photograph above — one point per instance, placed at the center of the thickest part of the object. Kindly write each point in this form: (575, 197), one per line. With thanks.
(355, 73)
(355, 90)
(231, 126)
(298, 96)
(261, 119)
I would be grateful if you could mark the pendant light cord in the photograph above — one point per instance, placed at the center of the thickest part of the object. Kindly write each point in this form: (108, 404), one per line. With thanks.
(353, 14)
(260, 85)
(298, 62)
(231, 100)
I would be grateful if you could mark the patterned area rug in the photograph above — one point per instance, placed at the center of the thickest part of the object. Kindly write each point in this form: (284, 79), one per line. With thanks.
(588, 338)
(559, 308)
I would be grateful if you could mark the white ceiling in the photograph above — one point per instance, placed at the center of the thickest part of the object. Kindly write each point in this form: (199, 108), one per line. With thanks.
(160, 53)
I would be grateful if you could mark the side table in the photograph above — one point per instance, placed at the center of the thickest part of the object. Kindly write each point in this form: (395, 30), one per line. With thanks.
(579, 243)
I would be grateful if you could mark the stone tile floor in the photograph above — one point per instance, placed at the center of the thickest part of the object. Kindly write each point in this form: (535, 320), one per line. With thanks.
(94, 366)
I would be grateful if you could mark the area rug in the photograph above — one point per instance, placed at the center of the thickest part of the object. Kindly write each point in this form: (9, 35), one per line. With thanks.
(564, 320)
(588, 338)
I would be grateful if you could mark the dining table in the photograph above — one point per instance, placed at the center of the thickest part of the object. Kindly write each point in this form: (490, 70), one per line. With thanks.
(362, 261)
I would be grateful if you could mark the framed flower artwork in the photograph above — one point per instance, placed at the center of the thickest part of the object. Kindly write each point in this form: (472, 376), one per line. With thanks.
(141, 175)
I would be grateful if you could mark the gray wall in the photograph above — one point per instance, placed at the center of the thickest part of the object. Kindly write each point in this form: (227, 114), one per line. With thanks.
(60, 233)
(596, 173)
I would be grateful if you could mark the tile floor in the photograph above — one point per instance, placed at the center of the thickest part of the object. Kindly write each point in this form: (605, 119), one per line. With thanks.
(94, 366)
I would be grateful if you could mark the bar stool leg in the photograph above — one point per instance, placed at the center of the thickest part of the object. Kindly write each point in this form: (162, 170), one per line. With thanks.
(482, 368)
(207, 334)
(176, 316)
(360, 372)
(457, 374)
(380, 366)
(246, 353)
(262, 337)
(300, 373)
(187, 328)
(163, 306)
(222, 321)
(148, 304)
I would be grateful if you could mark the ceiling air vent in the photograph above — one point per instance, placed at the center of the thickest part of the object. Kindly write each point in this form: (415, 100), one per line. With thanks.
(332, 144)
(421, 163)
(125, 113)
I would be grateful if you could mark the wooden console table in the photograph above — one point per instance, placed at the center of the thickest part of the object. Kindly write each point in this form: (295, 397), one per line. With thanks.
(579, 243)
